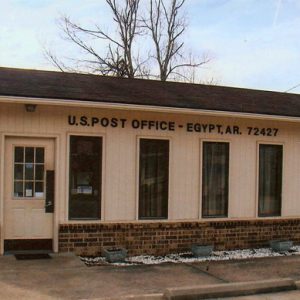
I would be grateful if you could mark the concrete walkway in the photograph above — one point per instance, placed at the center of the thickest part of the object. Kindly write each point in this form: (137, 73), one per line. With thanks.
(66, 277)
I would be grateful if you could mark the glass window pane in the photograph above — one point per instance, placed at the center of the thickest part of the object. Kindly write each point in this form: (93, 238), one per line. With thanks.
(85, 147)
(19, 171)
(19, 154)
(39, 155)
(28, 171)
(153, 178)
(18, 189)
(29, 154)
(39, 172)
(29, 189)
(39, 189)
(85, 177)
(270, 180)
(215, 171)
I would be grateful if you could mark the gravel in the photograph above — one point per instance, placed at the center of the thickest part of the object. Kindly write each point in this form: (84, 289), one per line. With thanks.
(187, 257)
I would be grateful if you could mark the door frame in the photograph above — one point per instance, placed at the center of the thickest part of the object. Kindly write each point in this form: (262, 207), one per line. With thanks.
(56, 139)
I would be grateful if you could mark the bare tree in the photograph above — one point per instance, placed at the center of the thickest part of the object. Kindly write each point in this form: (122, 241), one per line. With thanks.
(191, 75)
(165, 26)
(118, 60)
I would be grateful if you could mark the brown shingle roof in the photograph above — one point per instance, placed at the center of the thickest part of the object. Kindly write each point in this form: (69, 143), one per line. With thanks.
(58, 85)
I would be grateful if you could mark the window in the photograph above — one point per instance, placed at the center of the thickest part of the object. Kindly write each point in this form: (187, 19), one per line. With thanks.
(154, 179)
(85, 177)
(215, 171)
(270, 180)
(29, 172)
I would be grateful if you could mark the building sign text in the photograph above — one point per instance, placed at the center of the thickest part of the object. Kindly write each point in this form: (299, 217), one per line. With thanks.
(160, 125)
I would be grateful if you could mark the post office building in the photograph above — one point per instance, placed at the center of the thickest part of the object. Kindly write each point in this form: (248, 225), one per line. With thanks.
(88, 162)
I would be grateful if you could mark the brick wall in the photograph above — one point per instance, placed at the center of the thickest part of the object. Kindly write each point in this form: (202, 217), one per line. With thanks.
(167, 237)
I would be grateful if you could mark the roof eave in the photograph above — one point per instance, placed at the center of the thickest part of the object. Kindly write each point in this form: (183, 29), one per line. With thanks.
(136, 107)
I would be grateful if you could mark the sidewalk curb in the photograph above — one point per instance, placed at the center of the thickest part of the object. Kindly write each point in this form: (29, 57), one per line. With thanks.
(297, 283)
(231, 289)
(158, 296)
(218, 290)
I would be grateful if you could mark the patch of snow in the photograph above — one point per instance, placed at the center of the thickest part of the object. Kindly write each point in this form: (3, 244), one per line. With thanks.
(187, 257)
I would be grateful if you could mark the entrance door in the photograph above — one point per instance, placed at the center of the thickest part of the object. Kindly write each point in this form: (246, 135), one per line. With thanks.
(27, 225)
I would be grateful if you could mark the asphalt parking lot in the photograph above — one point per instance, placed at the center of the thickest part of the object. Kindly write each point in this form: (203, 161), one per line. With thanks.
(66, 277)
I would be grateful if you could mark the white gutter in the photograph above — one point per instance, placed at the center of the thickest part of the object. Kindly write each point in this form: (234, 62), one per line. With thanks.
(136, 107)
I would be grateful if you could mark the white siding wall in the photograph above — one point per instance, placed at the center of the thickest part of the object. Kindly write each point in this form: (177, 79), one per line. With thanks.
(120, 169)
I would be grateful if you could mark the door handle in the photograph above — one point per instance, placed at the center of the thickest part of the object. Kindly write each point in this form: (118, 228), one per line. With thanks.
(49, 203)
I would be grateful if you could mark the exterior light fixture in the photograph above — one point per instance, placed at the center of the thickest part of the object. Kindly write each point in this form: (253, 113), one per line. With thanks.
(30, 107)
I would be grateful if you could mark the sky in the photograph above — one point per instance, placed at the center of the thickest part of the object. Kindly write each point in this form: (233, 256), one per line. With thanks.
(252, 43)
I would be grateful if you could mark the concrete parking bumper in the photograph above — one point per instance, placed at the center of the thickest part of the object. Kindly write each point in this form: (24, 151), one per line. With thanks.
(230, 289)
(219, 290)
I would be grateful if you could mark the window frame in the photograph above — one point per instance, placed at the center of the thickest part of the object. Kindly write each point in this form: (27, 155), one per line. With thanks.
(35, 146)
(139, 138)
(102, 183)
(227, 215)
(275, 143)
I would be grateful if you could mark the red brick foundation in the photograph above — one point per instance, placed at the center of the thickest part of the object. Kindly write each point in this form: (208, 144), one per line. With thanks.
(159, 238)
